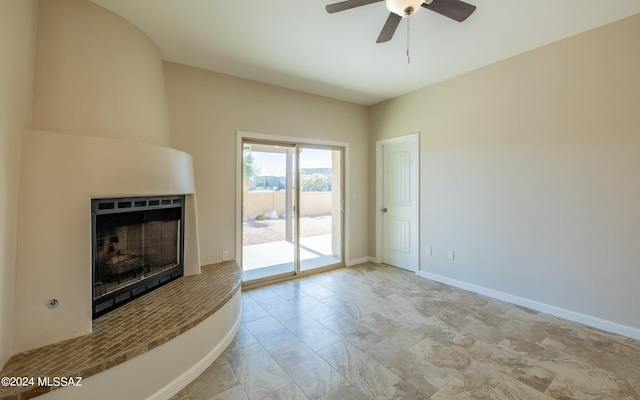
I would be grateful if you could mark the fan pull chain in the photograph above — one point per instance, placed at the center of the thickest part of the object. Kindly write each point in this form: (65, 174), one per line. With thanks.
(408, 43)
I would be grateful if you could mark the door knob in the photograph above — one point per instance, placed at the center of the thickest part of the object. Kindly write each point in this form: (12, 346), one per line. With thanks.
(384, 209)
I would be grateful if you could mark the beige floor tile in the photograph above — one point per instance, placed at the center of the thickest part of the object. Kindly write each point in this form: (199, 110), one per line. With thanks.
(410, 366)
(217, 378)
(288, 290)
(368, 375)
(251, 310)
(352, 309)
(459, 390)
(560, 359)
(315, 290)
(242, 339)
(621, 388)
(271, 334)
(567, 388)
(291, 392)
(234, 393)
(511, 389)
(261, 294)
(315, 308)
(181, 395)
(348, 391)
(258, 373)
(402, 332)
(520, 367)
(281, 310)
(353, 332)
(311, 332)
(440, 355)
(313, 375)
(374, 332)
(402, 390)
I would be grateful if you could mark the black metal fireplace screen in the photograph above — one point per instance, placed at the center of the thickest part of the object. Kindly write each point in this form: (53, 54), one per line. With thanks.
(137, 246)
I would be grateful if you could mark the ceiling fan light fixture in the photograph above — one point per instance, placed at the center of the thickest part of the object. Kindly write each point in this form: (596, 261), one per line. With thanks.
(404, 8)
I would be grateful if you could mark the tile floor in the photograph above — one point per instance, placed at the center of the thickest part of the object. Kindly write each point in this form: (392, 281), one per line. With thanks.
(378, 332)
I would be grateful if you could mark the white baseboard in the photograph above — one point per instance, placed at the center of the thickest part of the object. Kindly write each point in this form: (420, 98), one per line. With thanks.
(357, 261)
(585, 319)
(194, 371)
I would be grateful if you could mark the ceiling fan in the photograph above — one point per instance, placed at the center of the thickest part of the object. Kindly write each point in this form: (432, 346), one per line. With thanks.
(454, 9)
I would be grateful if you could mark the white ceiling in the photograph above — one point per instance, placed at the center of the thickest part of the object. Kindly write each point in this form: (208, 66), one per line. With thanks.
(296, 44)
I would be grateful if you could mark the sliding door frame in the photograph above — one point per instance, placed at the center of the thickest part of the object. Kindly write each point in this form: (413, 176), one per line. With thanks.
(241, 137)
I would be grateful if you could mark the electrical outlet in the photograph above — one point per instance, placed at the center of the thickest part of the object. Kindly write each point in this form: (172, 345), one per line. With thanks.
(450, 255)
(225, 255)
(427, 250)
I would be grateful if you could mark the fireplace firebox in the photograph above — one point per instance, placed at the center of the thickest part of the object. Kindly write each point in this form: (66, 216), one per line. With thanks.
(137, 247)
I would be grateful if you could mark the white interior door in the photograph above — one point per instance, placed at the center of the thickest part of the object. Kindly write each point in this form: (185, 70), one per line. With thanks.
(400, 202)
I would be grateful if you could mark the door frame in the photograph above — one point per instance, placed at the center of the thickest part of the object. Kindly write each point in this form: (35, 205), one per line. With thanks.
(415, 137)
(241, 136)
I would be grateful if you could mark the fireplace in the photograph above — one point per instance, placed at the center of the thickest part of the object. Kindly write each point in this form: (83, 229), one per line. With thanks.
(137, 247)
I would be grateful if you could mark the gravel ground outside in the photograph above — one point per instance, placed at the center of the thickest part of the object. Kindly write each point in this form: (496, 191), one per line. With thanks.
(273, 230)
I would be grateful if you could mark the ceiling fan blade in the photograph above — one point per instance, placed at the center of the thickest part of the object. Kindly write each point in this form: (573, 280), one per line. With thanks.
(346, 5)
(389, 28)
(454, 9)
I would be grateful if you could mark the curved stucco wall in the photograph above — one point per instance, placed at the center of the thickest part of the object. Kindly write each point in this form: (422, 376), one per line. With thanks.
(101, 129)
(17, 56)
(97, 75)
(60, 174)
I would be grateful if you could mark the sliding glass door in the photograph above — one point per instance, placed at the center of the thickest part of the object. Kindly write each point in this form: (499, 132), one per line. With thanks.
(320, 199)
(268, 223)
(292, 209)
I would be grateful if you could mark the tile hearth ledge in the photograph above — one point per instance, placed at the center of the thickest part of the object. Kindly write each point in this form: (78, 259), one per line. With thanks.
(145, 348)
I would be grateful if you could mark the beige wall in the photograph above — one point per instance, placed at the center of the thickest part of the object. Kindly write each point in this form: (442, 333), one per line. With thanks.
(17, 55)
(97, 75)
(529, 172)
(206, 110)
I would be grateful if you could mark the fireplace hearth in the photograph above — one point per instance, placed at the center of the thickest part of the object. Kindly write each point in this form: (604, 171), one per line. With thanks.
(137, 247)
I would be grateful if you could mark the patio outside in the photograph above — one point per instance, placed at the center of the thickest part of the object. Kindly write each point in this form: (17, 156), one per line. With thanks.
(269, 221)
(273, 230)
(266, 251)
